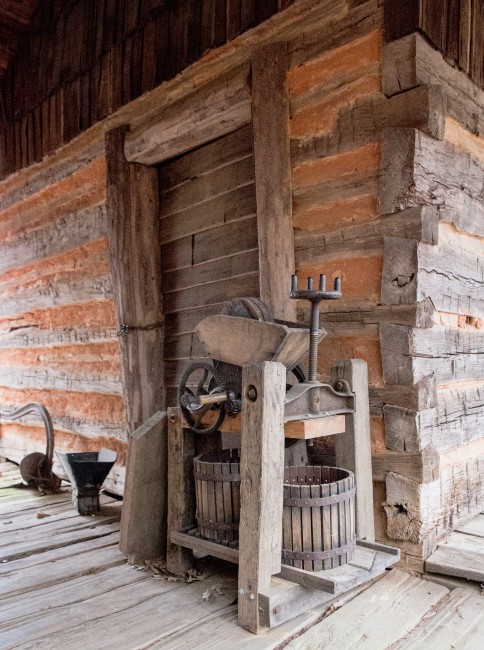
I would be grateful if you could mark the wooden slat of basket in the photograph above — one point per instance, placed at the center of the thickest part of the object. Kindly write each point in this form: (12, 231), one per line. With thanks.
(235, 469)
(342, 487)
(227, 488)
(306, 528)
(327, 541)
(287, 526)
(219, 502)
(335, 542)
(316, 519)
(296, 525)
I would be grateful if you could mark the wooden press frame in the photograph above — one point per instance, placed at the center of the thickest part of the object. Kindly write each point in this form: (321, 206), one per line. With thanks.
(266, 598)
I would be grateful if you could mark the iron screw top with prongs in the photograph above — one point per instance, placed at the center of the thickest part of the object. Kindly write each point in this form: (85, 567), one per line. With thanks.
(315, 296)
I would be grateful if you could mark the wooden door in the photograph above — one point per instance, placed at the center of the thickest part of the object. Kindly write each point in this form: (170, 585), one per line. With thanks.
(209, 249)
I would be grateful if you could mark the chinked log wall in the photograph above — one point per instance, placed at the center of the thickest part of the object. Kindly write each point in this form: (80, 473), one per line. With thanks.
(369, 132)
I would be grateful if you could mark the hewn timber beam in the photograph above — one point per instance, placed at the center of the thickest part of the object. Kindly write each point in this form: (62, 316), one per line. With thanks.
(411, 61)
(270, 115)
(209, 112)
(132, 208)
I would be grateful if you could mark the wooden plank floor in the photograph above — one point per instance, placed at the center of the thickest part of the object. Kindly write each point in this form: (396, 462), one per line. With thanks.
(461, 554)
(64, 584)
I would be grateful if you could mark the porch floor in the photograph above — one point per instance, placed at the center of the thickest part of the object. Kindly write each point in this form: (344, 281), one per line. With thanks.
(64, 583)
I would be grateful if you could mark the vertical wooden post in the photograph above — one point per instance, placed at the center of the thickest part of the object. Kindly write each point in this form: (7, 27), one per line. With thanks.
(353, 448)
(133, 225)
(261, 489)
(270, 117)
(181, 495)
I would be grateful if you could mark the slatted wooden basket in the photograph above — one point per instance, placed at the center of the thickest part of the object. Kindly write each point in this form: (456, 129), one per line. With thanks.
(318, 530)
(217, 491)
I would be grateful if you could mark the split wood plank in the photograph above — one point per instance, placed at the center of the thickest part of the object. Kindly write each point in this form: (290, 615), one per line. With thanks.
(353, 448)
(459, 555)
(71, 537)
(58, 526)
(473, 527)
(181, 495)
(378, 621)
(43, 627)
(132, 207)
(22, 579)
(103, 579)
(131, 619)
(48, 515)
(261, 469)
(270, 116)
(143, 521)
(456, 623)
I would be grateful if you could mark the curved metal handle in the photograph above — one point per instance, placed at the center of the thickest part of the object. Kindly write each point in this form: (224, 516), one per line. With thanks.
(39, 409)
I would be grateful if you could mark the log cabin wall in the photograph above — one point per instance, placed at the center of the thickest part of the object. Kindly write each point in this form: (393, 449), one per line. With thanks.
(58, 340)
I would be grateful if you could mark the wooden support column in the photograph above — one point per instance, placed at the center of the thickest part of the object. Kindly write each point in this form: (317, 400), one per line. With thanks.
(261, 489)
(133, 223)
(353, 448)
(270, 115)
(181, 498)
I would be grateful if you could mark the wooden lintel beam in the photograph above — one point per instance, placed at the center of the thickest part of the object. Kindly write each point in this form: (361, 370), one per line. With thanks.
(132, 209)
(270, 116)
(209, 112)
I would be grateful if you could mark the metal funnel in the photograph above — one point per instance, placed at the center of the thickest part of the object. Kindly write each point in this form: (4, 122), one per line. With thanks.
(87, 471)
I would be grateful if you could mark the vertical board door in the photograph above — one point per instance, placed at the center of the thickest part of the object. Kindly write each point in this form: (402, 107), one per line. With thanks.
(209, 249)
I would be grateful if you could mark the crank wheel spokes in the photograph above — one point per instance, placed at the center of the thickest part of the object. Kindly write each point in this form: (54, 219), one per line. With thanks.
(200, 379)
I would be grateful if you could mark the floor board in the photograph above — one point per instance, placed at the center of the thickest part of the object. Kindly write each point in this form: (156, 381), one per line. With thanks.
(461, 554)
(65, 584)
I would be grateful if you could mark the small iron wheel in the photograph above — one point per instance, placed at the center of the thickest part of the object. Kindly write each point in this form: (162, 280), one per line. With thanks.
(201, 378)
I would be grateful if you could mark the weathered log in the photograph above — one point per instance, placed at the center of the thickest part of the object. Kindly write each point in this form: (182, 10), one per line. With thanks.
(423, 513)
(411, 61)
(422, 466)
(414, 271)
(418, 170)
(416, 315)
(410, 354)
(419, 397)
(68, 232)
(422, 108)
(419, 223)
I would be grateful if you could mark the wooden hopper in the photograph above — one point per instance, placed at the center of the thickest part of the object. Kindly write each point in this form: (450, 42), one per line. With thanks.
(239, 341)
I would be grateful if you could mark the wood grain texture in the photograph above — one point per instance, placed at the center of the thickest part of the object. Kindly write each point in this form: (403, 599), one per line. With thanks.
(270, 116)
(417, 170)
(143, 532)
(353, 448)
(412, 61)
(261, 469)
(132, 206)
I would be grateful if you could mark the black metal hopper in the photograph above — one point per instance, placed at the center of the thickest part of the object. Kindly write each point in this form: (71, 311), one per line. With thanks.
(86, 472)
